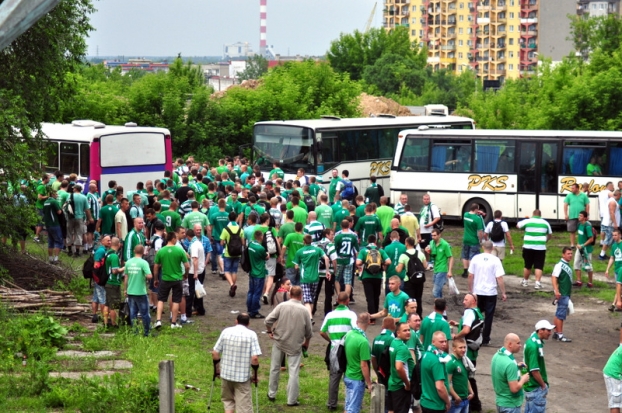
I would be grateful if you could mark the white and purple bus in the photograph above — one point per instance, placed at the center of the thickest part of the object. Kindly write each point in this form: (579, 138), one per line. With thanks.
(94, 151)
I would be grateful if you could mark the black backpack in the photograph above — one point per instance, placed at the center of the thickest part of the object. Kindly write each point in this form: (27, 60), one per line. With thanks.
(496, 232)
(341, 356)
(100, 275)
(308, 200)
(234, 246)
(474, 338)
(415, 382)
(384, 365)
(440, 224)
(88, 267)
(415, 270)
(245, 261)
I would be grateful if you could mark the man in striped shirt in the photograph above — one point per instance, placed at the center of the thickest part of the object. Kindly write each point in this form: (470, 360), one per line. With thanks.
(537, 233)
(314, 228)
(336, 324)
(134, 237)
(92, 198)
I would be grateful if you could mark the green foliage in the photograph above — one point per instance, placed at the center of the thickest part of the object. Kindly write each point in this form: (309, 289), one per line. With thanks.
(602, 33)
(392, 72)
(35, 336)
(256, 67)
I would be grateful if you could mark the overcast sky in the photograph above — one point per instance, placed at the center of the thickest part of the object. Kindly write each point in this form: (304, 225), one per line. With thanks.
(202, 27)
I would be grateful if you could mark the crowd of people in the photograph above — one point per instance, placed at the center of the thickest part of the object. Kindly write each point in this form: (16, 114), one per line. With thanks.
(294, 238)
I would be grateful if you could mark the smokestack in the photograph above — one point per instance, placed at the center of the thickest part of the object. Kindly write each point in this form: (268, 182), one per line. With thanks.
(262, 27)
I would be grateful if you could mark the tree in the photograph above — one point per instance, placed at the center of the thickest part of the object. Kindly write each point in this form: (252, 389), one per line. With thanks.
(256, 67)
(590, 34)
(34, 80)
(391, 72)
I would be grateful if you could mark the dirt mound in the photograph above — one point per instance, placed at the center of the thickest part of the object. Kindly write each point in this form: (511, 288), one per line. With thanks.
(31, 273)
(246, 84)
(375, 105)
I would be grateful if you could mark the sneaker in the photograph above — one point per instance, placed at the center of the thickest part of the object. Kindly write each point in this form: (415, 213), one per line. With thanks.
(176, 325)
(257, 315)
(153, 308)
(555, 336)
(603, 257)
(524, 283)
(590, 285)
(214, 272)
(37, 240)
(222, 276)
(612, 308)
(563, 339)
(538, 285)
(465, 274)
(157, 325)
(95, 318)
(265, 299)
(577, 284)
(232, 290)
(430, 267)
(187, 321)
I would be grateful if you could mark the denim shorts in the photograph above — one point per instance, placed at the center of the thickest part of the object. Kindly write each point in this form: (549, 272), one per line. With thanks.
(614, 392)
(608, 231)
(440, 278)
(55, 238)
(469, 251)
(217, 248)
(99, 294)
(562, 307)
(231, 264)
(508, 409)
(536, 400)
(355, 391)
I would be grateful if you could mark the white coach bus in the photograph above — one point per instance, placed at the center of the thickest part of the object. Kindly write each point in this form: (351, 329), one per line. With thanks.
(515, 171)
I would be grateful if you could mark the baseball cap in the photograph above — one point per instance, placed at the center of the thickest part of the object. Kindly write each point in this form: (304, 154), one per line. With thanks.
(269, 183)
(544, 324)
(159, 225)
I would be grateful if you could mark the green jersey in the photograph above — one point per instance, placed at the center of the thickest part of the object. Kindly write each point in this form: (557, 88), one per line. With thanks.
(346, 245)
(171, 258)
(332, 188)
(473, 224)
(112, 263)
(166, 205)
(172, 220)
(441, 254)
(41, 190)
(218, 221)
(432, 370)
(300, 215)
(338, 322)
(504, 370)
(137, 269)
(357, 350)
(563, 272)
(106, 214)
(430, 325)
(585, 233)
(382, 341)
(533, 356)
(367, 225)
(385, 215)
(363, 256)
(293, 243)
(63, 196)
(286, 229)
(613, 368)
(132, 239)
(308, 259)
(340, 215)
(279, 173)
(80, 206)
(593, 169)
(414, 343)
(395, 304)
(398, 351)
(316, 230)
(576, 203)
(257, 254)
(360, 210)
(536, 232)
(324, 215)
(459, 377)
(616, 253)
(193, 218)
(50, 212)
(394, 250)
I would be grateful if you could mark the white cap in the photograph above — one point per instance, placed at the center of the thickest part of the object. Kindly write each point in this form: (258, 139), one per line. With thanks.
(544, 324)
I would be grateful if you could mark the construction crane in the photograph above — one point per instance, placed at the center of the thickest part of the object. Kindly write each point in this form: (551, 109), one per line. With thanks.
(371, 18)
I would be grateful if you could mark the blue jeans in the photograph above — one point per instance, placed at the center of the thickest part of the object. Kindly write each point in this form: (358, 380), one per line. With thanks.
(255, 288)
(508, 409)
(440, 278)
(536, 400)
(292, 274)
(469, 251)
(140, 304)
(355, 391)
(562, 307)
(215, 248)
(463, 407)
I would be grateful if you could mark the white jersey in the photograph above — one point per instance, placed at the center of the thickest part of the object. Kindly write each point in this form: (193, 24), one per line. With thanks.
(486, 268)
(607, 219)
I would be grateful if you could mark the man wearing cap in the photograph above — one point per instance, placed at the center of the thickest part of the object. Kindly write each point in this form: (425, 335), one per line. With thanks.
(537, 388)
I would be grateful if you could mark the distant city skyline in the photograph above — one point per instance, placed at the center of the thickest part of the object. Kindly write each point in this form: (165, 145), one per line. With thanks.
(139, 28)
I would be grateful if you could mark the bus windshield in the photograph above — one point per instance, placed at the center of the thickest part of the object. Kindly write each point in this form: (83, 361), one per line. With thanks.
(291, 146)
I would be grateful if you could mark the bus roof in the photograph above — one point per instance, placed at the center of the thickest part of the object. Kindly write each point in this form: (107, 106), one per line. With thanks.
(337, 123)
(505, 133)
(91, 130)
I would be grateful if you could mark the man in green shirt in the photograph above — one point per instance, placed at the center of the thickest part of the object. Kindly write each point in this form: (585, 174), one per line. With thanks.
(372, 277)
(434, 382)
(257, 275)
(394, 251)
(507, 380)
(51, 217)
(562, 288)
(135, 237)
(293, 242)
(402, 366)
(416, 279)
(537, 388)
(458, 377)
(42, 196)
(473, 235)
(367, 225)
(172, 261)
(105, 223)
(357, 377)
(613, 380)
(583, 254)
(332, 187)
(172, 219)
(616, 260)
(435, 322)
(346, 245)
(76, 226)
(218, 219)
(113, 285)
(385, 214)
(440, 252)
(380, 343)
(414, 344)
(300, 214)
(372, 193)
(137, 273)
(307, 262)
(575, 202)
(339, 214)
(324, 212)
(276, 171)
(195, 217)
(394, 302)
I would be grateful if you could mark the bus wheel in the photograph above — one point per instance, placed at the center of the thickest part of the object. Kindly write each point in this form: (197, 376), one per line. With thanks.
(483, 206)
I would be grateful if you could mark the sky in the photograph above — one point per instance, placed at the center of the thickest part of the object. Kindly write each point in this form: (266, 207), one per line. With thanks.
(134, 28)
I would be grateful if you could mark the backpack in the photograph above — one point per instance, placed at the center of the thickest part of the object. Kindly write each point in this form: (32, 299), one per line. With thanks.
(88, 266)
(100, 275)
(150, 257)
(245, 261)
(308, 200)
(474, 338)
(373, 261)
(269, 243)
(496, 232)
(253, 212)
(439, 225)
(415, 382)
(234, 246)
(69, 207)
(348, 190)
(384, 365)
(415, 270)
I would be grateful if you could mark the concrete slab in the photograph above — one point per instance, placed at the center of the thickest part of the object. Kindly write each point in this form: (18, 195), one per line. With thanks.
(114, 364)
(75, 375)
(78, 354)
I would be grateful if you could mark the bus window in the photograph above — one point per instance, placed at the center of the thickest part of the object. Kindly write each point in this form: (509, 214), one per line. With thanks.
(527, 167)
(85, 159)
(612, 159)
(494, 156)
(292, 146)
(451, 155)
(69, 158)
(387, 141)
(51, 156)
(548, 168)
(415, 155)
(329, 151)
(584, 158)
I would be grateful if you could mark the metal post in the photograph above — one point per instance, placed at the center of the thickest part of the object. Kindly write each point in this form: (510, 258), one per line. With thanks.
(377, 398)
(167, 386)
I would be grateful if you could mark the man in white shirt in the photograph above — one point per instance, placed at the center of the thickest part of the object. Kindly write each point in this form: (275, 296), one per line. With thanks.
(428, 216)
(197, 270)
(485, 273)
(610, 214)
(498, 244)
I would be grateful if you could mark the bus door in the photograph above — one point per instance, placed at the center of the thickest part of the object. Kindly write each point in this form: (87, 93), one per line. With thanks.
(537, 179)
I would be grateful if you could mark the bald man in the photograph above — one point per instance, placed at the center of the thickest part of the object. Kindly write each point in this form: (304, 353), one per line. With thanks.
(507, 380)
